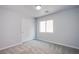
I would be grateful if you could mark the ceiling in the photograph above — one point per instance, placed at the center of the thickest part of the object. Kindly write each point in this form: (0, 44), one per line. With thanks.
(30, 11)
(48, 9)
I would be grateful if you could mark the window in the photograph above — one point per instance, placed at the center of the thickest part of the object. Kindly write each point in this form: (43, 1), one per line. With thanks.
(42, 26)
(46, 26)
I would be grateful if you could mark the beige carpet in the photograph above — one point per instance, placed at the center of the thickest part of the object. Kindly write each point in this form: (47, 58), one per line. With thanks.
(39, 47)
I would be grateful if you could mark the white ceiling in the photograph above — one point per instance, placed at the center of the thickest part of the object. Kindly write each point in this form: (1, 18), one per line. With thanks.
(30, 11)
(48, 9)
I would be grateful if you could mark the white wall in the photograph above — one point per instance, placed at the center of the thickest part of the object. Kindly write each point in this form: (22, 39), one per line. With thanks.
(66, 28)
(12, 25)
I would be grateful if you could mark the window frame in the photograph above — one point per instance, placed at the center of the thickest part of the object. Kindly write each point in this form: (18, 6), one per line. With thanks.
(46, 26)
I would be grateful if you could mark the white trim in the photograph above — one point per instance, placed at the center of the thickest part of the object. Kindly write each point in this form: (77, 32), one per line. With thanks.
(74, 47)
(10, 46)
(14, 45)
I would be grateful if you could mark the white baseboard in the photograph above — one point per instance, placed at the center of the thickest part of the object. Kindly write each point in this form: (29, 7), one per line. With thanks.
(14, 45)
(74, 47)
(10, 46)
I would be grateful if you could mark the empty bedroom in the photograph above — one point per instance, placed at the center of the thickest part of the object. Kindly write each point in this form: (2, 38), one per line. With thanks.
(39, 29)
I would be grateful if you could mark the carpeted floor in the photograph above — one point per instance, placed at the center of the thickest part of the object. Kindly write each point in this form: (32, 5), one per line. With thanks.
(39, 47)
